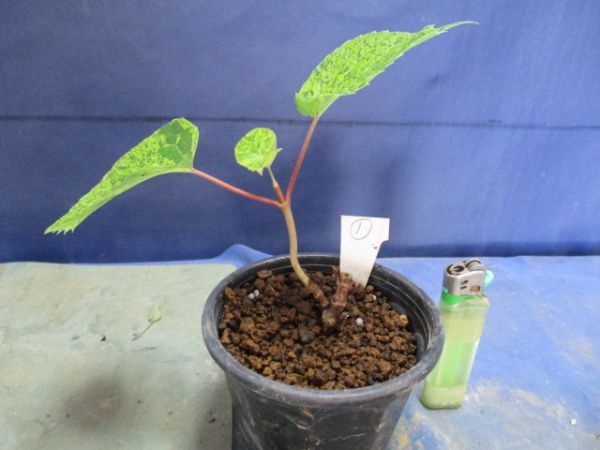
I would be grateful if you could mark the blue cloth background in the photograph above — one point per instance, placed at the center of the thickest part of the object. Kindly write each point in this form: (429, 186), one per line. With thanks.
(482, 141)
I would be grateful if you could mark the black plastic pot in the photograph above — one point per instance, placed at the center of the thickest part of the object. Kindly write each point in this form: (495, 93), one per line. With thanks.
(269, 415)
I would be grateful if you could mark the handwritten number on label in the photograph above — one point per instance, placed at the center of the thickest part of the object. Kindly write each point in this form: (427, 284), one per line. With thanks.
(361, 228)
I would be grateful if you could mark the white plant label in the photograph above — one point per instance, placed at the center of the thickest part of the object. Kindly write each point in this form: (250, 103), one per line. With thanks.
(360, 242)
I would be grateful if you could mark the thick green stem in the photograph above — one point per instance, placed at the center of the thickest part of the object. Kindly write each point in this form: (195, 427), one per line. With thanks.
(293, 238)
(286, 210)
(316, 292)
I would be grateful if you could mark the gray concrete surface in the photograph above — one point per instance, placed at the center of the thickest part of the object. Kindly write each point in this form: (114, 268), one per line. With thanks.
(71, 377)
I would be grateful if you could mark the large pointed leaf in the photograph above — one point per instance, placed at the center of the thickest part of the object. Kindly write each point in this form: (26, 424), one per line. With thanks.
(257, 149)
(353, 65)
(169, 149)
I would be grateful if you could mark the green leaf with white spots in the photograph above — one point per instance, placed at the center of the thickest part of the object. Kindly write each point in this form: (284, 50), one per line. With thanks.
(353, 65)
(257, 149)
(169, 149)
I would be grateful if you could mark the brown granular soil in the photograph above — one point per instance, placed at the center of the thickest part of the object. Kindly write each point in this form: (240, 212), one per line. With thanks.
(272, 326)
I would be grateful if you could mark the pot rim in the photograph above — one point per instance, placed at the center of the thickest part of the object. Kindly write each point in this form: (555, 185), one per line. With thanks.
(288, 393)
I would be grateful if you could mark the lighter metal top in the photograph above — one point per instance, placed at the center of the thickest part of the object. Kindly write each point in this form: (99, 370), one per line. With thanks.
(465, 277)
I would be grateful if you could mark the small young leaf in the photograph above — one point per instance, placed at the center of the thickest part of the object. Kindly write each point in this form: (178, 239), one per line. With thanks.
(154, 315)
(169, 149)
(355, 63)
(257, 149)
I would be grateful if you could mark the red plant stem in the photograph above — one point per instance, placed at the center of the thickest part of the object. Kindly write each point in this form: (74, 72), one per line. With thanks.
(276, 188)
(300, 160)
(235, 190)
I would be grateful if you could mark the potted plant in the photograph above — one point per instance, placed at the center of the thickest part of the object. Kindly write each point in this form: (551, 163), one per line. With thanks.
(312, 359)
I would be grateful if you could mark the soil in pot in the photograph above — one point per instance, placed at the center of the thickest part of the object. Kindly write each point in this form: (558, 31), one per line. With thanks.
(272, 325)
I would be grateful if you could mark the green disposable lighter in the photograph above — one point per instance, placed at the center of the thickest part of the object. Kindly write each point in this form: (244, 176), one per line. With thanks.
(463, 307)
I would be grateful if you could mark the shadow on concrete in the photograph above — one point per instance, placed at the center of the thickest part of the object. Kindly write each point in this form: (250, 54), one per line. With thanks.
(97, 405)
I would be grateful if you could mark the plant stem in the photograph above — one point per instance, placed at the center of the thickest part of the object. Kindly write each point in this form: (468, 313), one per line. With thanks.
(276, 187)
(334, 316)
(316, 292)
(137, 336)
(286, 210)
(300, 160)
(293, 237)
(235, 190)
(290, 224)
